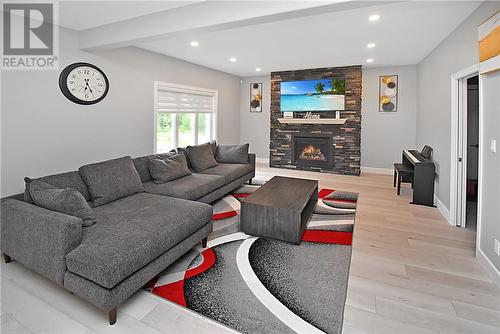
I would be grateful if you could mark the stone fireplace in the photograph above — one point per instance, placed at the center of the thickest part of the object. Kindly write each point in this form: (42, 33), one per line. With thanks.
(310, 150)
(329, 147)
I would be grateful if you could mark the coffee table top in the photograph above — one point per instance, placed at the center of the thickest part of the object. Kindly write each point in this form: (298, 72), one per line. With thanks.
(284, 192)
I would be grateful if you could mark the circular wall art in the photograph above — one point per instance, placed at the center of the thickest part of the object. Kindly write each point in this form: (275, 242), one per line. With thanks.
(389, 106)
(83, 83)
(256, 97)
(388, 93)
(385, 99)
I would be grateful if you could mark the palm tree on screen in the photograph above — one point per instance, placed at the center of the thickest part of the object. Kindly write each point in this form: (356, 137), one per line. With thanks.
(337, 86)
(320, 88)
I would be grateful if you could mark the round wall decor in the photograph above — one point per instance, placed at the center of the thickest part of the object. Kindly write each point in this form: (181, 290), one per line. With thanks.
(83, 83)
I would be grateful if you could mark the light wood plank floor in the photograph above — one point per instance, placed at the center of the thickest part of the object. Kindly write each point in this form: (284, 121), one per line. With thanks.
(411, 273)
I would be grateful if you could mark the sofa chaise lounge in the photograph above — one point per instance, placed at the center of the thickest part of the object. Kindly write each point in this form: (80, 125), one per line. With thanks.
(135, 237)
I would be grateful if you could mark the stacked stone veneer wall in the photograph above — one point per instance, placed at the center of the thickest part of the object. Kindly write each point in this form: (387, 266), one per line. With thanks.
(346, 137)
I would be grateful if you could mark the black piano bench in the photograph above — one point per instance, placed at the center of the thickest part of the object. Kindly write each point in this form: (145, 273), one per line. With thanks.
(402, 173)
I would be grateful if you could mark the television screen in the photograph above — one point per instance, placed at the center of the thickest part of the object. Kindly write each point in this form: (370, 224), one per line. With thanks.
(313, 95)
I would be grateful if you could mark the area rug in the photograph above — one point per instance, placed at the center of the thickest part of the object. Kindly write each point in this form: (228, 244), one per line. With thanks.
(257, 285)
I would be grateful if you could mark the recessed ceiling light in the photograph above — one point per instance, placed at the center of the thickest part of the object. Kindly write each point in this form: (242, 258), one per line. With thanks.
(194, 43)
(374, 17)
(370, 45)
(232, 60)
(257, 69)
(369, 60)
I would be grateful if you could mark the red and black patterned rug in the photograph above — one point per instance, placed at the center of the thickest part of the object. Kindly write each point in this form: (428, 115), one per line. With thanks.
(257, 285)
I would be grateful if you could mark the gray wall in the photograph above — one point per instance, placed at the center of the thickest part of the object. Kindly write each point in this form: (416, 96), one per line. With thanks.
(42, 132)
(385, 134)
(379, 148)
(490, 220)
(456, 52)
(254, 127)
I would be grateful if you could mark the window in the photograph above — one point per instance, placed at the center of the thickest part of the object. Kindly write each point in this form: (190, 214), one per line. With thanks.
(183, 116)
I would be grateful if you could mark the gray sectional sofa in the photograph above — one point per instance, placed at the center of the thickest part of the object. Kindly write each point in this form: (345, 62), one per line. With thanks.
(137, 234)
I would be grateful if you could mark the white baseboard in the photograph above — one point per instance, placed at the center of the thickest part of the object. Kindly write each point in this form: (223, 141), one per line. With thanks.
(492, 271)
(442, 209)
(376, 170)
(262, 160)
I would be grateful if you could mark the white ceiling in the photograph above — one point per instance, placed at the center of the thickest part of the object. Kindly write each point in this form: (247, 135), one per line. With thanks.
(270, 35)
(405, 34)
(81, 15)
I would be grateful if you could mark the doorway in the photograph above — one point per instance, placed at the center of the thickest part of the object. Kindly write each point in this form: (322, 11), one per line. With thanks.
(472, 156)
(465, 180)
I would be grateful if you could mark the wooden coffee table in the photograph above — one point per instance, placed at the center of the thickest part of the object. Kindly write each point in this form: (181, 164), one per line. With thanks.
(280, 209)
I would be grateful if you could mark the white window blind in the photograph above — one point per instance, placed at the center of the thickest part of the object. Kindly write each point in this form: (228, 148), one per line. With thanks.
(184, 115)
(172, 101)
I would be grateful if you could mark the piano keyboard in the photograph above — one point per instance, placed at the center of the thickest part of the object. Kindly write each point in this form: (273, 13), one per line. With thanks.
(411, 156)
(423, 176)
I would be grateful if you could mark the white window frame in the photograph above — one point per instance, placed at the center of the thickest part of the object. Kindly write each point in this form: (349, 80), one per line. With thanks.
(183, 89)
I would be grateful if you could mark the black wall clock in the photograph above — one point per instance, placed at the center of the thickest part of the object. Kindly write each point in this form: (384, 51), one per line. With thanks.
(83, 83)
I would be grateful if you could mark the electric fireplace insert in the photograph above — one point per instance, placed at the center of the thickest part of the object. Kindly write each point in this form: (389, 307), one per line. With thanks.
(311, 150)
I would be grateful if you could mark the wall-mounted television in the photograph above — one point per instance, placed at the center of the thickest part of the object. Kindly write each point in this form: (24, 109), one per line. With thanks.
(313, 95)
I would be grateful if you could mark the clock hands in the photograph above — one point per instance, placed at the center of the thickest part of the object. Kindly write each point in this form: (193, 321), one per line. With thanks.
(87, 86)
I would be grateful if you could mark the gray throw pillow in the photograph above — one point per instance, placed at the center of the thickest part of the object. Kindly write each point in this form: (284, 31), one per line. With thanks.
(62, 180)
(168, 169)
(182, 150)
(201, 157)
(111, 180)
(213, 146)
(232, 154)
(141, 164)
(67, 200)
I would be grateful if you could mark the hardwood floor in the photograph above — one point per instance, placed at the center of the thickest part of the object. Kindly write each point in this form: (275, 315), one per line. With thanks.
(411, 272)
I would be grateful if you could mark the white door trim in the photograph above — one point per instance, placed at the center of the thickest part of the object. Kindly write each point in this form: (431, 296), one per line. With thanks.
(457, 121)
(480, 160)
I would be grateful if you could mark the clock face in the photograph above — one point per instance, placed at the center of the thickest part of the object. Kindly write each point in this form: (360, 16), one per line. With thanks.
(83, 83)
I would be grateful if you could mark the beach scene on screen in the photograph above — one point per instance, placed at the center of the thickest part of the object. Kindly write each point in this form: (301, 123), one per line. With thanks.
(313, 95)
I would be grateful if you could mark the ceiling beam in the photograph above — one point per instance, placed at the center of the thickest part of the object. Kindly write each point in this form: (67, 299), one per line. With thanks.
(207, 16)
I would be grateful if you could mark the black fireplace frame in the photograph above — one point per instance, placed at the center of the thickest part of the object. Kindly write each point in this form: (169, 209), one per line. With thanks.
(313, 137)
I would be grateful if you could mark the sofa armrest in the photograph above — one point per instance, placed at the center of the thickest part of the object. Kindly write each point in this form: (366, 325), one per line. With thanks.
(251, 159)
(39, 238)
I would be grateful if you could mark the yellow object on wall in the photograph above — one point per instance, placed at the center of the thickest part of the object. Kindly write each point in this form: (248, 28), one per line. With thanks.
(489, 38)
(489, 47)
(385, 99)
(386, 80)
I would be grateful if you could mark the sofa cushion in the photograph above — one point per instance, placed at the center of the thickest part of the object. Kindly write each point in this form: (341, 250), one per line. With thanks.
(190, 187)
(67, 200)
(169, 169)
(182, 150)
(110, 180)
(230, 172)
(232, 154)
(201, 157)
(131, 232)
(141, 164)
(213, 146)
(63, 180)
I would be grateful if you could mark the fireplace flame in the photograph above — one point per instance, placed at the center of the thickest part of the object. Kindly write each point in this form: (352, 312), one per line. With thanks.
(311, 152)
(310, 149)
